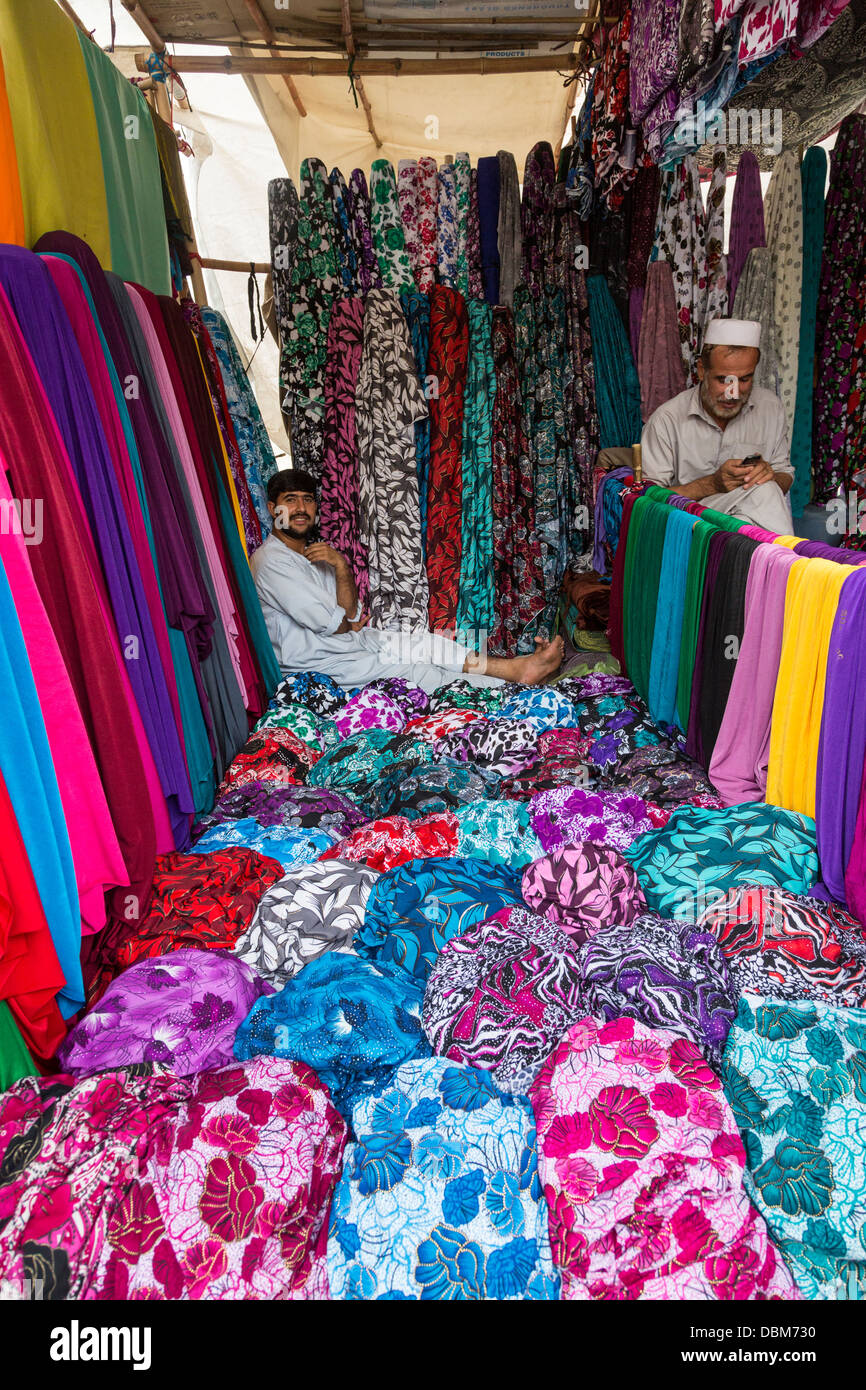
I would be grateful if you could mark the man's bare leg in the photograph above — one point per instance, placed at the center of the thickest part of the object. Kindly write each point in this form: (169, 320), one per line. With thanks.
(526, 670)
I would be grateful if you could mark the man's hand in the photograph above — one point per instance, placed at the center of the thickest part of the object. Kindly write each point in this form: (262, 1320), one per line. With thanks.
(321, 554)
(758, 473)
(731, 475)
(362, 622)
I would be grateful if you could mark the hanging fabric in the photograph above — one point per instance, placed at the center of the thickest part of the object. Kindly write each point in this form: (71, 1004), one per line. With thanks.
(475, 598)
(716, 306)
(449, 349)
(747, 219)
(389, 241)
(660, 359)
(508, 235)
(783, 213)
(416, 308)
(680, 239)
(446, 215)
(339, 507)
(361, 218)
(488, 221)
(813, 181)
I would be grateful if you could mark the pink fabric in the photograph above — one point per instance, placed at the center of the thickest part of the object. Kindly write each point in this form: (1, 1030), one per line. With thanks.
(815, 18)
(659, 358)
(76, 304)
(583, 888)
(369, 709)
(738, 767)
(96, 853)
(767, 24)
(428, 201)
(642, 1167)
(225, 601)
(407, 196)
(210, 1187)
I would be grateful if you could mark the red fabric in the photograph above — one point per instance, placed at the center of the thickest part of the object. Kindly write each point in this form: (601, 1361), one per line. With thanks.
(383, 844)
(70, 584)
(449, 350)
(30, 973)
(431, 727)
(274, 755)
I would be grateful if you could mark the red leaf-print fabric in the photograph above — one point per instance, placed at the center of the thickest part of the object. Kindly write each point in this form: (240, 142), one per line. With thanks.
(446, 364)
(393, 840)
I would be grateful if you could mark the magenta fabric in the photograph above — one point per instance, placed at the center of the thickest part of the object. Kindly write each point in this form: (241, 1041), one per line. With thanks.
(181, 1011)
(642, 1167)
(369, 709)
(738, 767)
(583, 888)
(570, 815)
(158, 1186)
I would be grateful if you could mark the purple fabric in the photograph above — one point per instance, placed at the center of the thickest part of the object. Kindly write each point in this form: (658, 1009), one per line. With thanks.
(694, 738)
(295, 807)
(738, 768)
(49, 336)
(842, 748)
(599, 557)
(747, 219)
(570, 815)
(653, 53)
(488, 218)
(411, 699)
(181, 1011)
(583, 888)
(817, 550)
(369, 709)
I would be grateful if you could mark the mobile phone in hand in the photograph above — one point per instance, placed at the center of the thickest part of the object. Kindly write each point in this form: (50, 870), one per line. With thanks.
(751, 460)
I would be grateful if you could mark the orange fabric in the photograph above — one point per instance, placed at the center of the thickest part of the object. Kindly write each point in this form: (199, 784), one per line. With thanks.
(11, 206)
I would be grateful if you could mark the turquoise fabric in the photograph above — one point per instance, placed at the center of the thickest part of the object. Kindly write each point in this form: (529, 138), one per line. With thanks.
(617, 388)
(795, 1076)
(814, 176)
(271, 674)
(475, 597)
(665, 658)
(28, 771)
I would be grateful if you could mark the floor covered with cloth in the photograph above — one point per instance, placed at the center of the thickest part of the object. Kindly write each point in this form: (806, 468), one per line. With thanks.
(477, 995)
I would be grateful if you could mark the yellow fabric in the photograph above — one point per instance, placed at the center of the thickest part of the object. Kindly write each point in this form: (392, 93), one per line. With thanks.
(236, 506)
(56, 140)
(811, 599)
(789, 541)
(11, 209)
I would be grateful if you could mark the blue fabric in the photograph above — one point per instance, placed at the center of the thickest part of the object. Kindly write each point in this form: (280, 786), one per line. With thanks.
(813, 172)
(703, 853)
(617, 388)
(447, 1166)
(28, 771)
(488, 221)
(543, 707)
(665, 658)
(795, 1076)
(351, 1020)
(414, 909)
(286, 844)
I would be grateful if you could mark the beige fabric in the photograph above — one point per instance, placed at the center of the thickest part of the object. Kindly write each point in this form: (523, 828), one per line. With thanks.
(766, 505)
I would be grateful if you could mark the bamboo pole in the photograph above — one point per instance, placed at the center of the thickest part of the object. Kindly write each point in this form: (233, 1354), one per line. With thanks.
(151, 33)
(349, 41)
(269, 36)
(368, 67)
(70, 14)
(260, 267)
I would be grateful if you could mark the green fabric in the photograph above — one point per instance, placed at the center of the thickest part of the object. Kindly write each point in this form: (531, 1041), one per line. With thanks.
(15, 1060)
(475, 600)
(249, 598)
(701, 537)
(814, 175)
(130, 166)
(643, 563)
(617, 388)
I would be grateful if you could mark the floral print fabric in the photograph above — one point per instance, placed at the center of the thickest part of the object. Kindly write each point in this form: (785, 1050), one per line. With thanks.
(312, 729)
(442, 786)
(360, 217)
(413, 910)
(319, 693)
(703, 853)
(211, 1187)
(800, 947)
(389, 242)
(383, 844)
(314, 909)
(583, 888)
(570, 815)
(502, 745)
(273, 756)
(497, 831)
(307, 808)
(795, 1076)
(283, 843)
(446, 221)
(501, 995)
(447, 1165)
(369, 709)
(668, 975)
(339, 502)
(449, 350)
(475, 595)
(351, 1020)
(642, 1169)
(181, 1012)
(367, 764)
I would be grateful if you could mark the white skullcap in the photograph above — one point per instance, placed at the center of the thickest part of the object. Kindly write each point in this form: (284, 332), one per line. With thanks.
(733, 333)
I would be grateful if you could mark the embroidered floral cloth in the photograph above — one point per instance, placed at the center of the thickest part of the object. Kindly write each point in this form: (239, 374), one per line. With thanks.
(181, 1011)
(132, 1185)
(446, 1165)
(314, 909)
(642, 1169)
(795, 1076)
(501, 995)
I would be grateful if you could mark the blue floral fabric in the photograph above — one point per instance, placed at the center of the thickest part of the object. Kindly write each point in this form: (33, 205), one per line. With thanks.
(499, 831)
(439, 1197)
(368, 765)
(703, 853)
(289, 846)
(351, 1020)
(542, 707)
(795, 1075)
(414, 909)
(319, 693)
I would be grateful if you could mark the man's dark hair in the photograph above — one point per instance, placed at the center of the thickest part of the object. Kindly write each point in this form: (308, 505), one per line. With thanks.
(290, 480)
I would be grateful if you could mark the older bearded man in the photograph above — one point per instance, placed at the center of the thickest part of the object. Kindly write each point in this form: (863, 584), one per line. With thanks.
(315, 623)
(725, 441)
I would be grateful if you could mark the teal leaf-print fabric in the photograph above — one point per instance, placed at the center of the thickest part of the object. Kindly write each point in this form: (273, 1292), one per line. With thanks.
(795, 1075)
(439, 1197)
(702, 853)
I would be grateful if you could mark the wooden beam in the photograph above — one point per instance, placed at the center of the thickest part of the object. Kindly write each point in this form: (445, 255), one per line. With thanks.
(349, 41)
(70, 14)
(368, 67)
(269, 36)
(260, 267)
(151, 33)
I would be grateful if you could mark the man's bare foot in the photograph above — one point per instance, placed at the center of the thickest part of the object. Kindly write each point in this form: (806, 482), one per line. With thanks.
(547, 658)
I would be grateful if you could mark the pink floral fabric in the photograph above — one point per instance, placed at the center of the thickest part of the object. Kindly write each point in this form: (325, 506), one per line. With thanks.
(642, 1166)
(583, 888)
(369, 709)
(767, 24)
(393, 840)
(154, 1186)
(815, 18)
(428, 199)
(407, 196)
